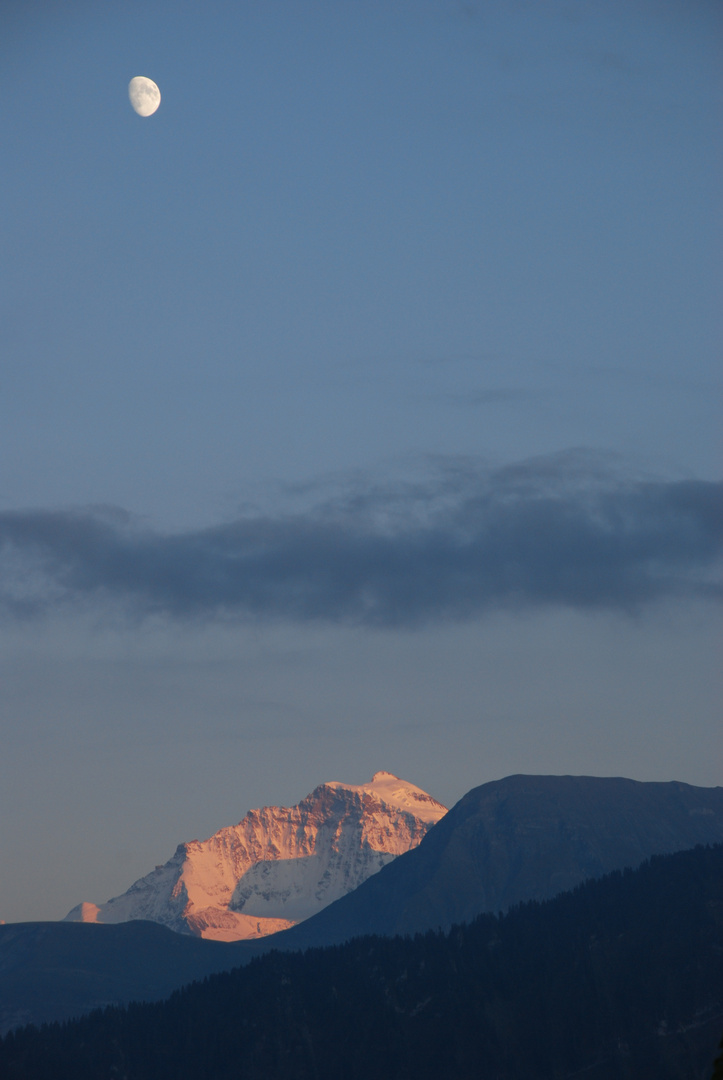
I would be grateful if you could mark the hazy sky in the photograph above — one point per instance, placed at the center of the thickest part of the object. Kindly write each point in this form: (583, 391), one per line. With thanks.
(360, 410)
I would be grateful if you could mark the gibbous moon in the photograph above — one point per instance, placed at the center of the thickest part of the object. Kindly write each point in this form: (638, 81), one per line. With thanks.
(144, 94)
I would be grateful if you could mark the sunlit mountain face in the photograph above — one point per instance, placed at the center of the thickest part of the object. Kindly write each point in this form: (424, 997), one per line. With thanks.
(279, 865)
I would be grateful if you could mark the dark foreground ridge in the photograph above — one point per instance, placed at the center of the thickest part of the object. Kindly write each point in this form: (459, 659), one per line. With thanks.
(58, 970)
(620, 979)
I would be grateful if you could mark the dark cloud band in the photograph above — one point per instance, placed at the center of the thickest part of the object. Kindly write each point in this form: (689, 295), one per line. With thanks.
(463, 543)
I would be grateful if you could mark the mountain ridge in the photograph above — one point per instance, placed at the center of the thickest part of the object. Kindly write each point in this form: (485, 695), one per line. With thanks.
(486, 852)
(520, 838)
(278, 865)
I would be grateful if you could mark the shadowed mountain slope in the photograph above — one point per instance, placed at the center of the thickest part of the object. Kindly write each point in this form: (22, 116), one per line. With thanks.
(521, 838)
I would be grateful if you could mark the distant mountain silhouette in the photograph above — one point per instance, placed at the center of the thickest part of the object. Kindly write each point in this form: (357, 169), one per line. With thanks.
(521, 838)
(56, 970)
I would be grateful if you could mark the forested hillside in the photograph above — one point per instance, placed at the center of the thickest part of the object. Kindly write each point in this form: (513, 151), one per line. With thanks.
(621, 978)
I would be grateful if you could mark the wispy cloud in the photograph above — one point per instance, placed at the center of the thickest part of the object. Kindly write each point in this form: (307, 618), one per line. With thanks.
(564, 530)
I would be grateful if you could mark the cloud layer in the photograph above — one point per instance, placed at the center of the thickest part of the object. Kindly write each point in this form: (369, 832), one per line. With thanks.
(558, 531)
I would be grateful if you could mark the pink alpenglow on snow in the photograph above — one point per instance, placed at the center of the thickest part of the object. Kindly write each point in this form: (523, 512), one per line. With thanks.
(279, 865)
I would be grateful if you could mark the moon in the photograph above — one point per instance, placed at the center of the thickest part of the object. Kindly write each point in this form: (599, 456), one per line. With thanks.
(144, 94)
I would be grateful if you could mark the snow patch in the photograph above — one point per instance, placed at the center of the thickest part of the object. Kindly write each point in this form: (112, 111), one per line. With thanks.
(400, 793)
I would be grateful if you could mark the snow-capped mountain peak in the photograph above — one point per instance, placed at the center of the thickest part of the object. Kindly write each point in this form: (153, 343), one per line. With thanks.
(389, 789)
(279, 865)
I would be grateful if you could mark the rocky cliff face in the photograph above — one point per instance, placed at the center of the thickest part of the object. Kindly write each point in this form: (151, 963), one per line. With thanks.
(279, 865)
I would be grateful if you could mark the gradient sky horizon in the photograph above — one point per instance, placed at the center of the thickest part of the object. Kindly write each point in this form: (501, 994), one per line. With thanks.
(360, 411)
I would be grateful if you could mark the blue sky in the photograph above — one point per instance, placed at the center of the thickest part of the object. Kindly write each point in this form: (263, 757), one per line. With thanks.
(360, 410)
